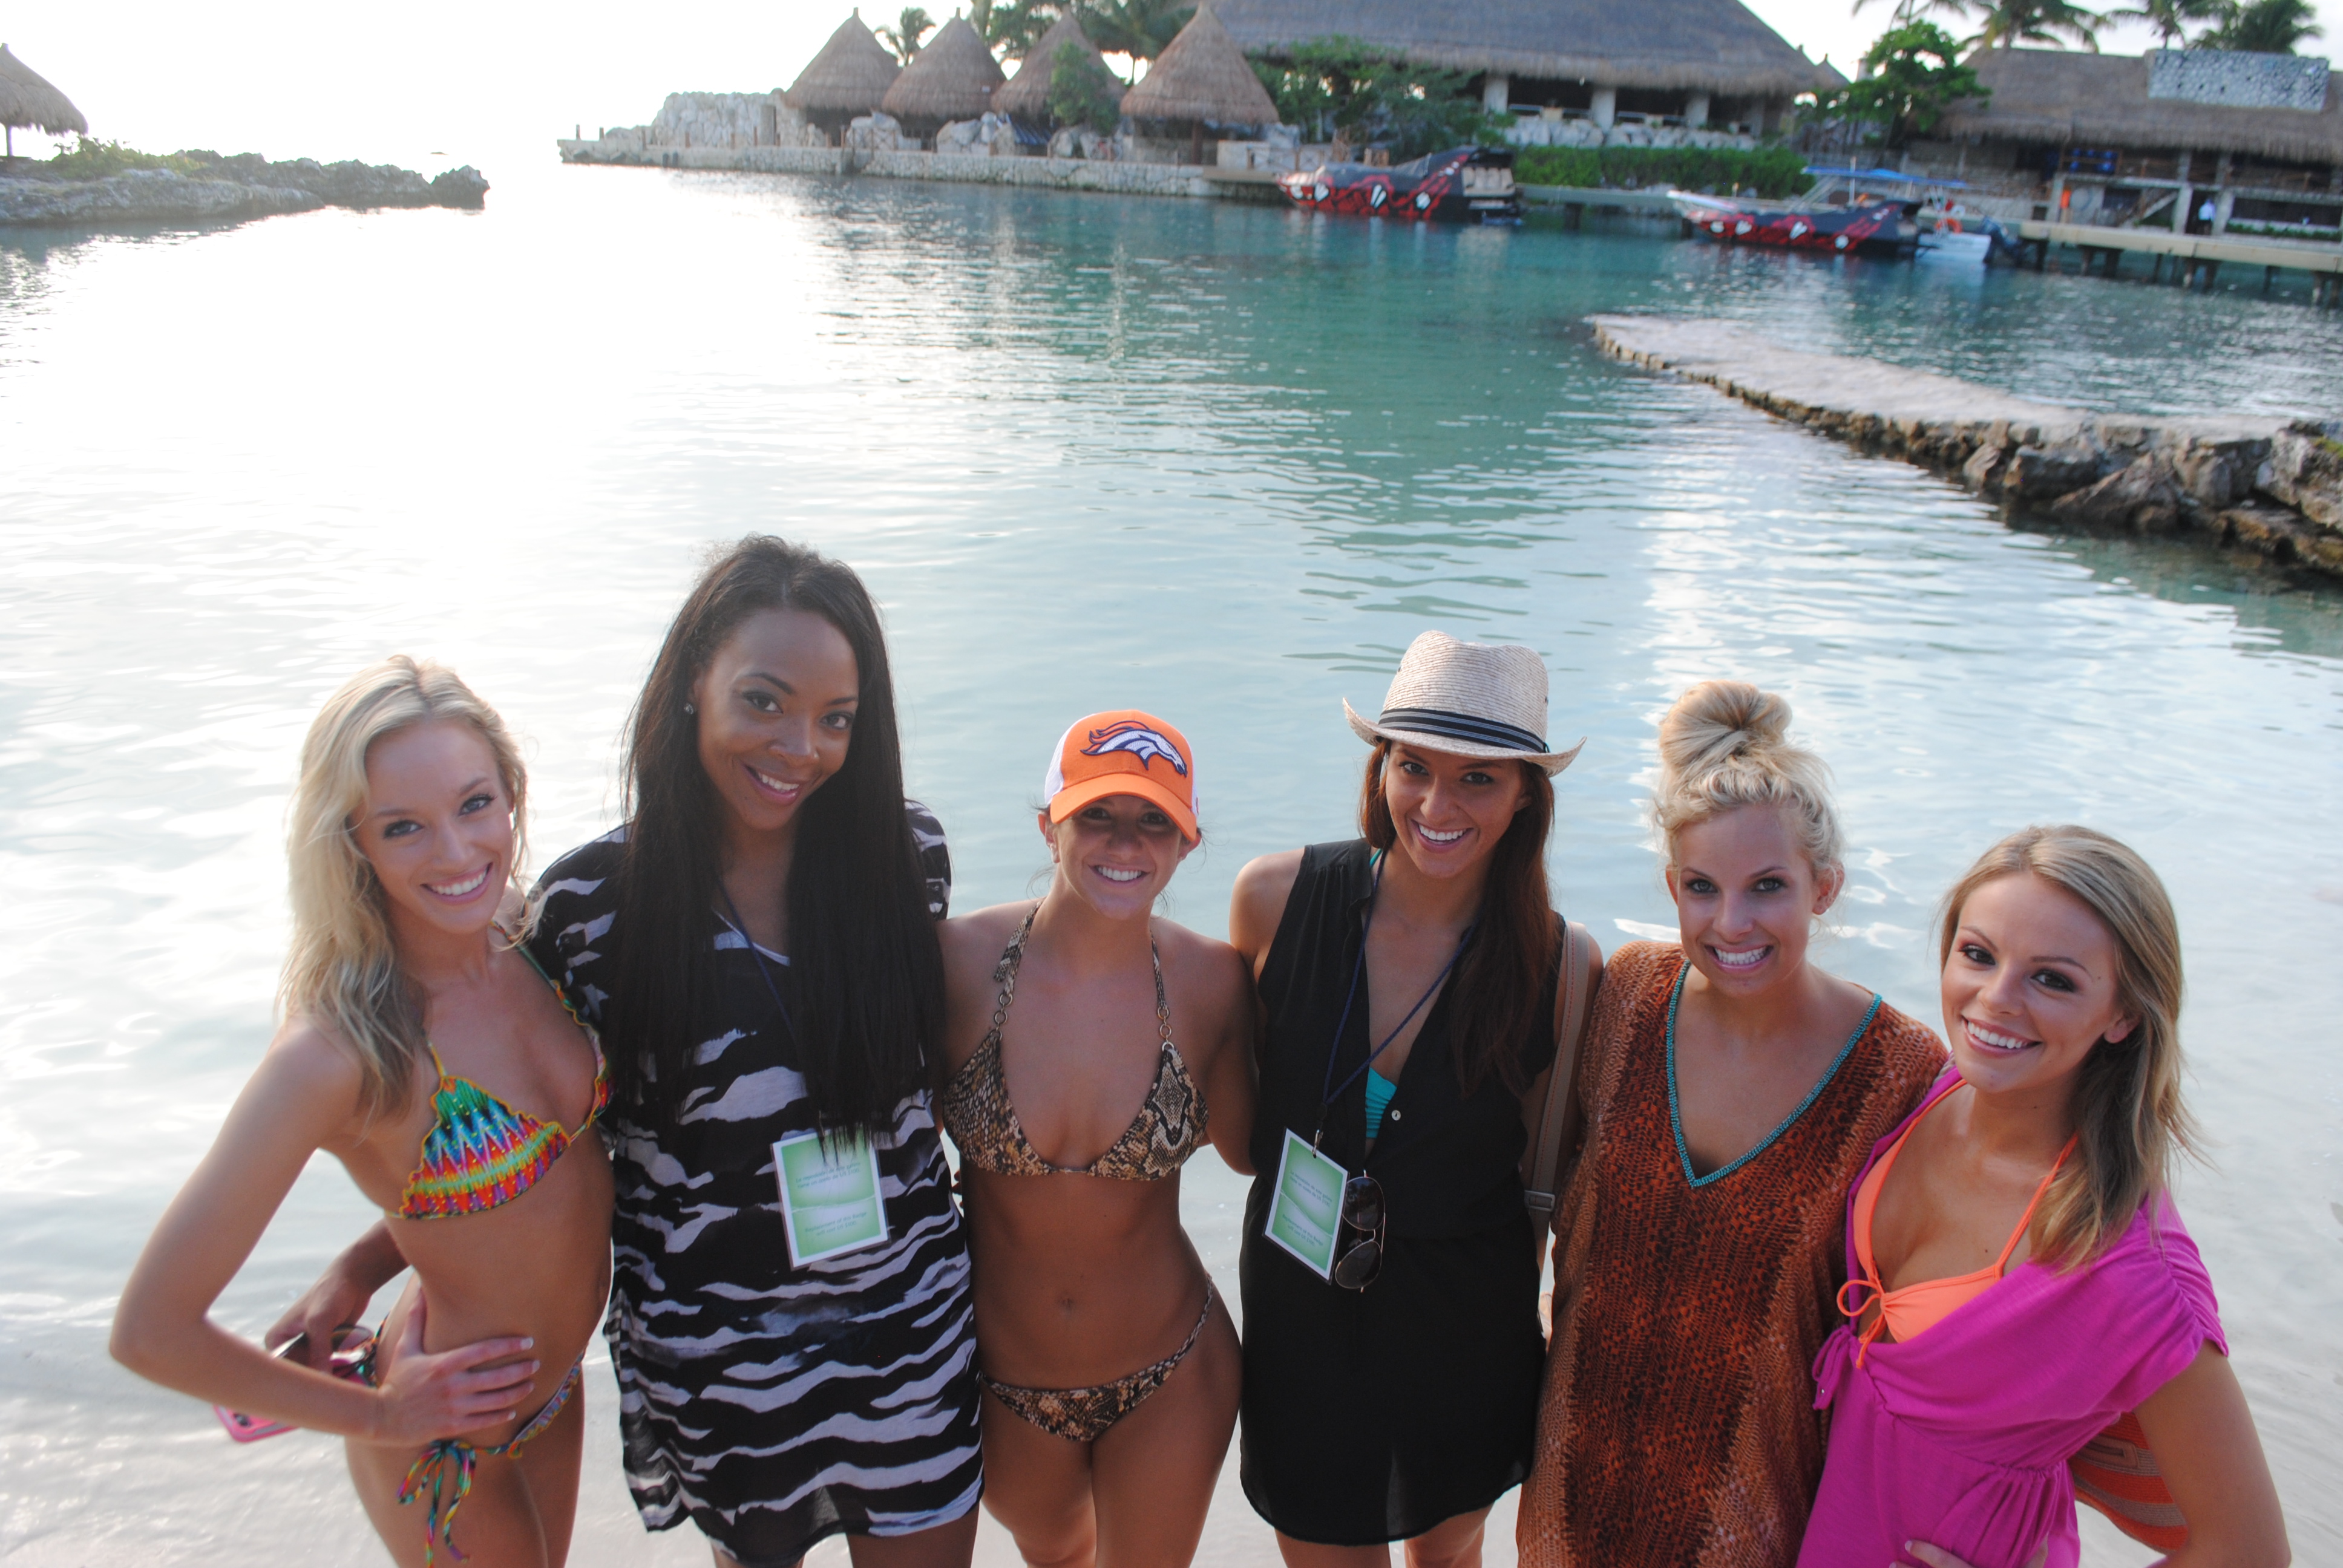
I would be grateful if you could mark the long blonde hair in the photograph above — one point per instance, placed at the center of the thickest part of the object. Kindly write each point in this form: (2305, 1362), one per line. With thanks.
(1724, 745)
(342, 969)
(2128, 1118)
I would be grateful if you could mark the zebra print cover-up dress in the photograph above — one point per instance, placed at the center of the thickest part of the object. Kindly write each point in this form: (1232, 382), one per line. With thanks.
(772, 1405)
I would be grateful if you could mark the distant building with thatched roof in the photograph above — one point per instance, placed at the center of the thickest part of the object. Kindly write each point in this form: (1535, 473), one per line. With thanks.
(953, 77)
(2133, 140)
(849, 77)
(1691, 61)
(1202, 78)
(1026, 96)
(28, 98)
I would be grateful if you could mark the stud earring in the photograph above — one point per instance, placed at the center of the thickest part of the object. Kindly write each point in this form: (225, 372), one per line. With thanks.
(687, 707)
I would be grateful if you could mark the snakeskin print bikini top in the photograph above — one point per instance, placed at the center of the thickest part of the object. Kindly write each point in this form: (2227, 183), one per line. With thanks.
(1168, 1128)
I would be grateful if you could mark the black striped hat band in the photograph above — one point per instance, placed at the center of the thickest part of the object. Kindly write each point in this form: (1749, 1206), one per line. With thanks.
(1462, 727)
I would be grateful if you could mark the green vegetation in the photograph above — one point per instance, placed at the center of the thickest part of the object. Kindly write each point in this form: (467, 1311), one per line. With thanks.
(1083, 92)
(1139, 28)
(1339, 87)
(2263, 26)
(1771, 172)
(95, 160)
(1911, 76)
(903, 39)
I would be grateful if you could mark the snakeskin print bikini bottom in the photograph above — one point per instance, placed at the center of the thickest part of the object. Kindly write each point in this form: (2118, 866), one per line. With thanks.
(1084, 1414)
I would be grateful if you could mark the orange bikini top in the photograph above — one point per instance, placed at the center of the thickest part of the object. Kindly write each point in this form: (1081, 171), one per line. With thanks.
(1914, 1310)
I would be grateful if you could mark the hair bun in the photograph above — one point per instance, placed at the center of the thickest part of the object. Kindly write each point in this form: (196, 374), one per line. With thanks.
(1718, 720)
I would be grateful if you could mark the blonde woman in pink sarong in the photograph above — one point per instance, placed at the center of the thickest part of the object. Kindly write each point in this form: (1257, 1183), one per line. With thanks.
(2018, 1279)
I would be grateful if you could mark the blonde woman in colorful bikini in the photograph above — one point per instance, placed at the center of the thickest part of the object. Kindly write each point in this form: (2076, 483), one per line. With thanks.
(1093, 1049)
(424, 1050)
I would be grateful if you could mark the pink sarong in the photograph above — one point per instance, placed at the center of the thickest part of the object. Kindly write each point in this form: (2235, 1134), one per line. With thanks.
(1961, 1437)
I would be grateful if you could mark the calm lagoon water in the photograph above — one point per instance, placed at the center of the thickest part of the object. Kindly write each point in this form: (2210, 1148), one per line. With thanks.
(1220, 461)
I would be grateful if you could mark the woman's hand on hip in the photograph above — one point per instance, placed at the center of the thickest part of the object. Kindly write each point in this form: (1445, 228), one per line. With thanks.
(425, 1396)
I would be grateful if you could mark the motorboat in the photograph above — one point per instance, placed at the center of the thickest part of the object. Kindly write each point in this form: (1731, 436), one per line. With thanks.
(1462, 184)
(1863, 212)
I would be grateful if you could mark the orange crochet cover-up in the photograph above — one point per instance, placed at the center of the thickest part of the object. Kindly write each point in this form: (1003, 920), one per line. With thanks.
(1678, 1425)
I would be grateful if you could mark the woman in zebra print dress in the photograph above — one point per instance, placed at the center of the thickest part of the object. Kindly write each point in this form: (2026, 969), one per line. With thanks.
(757, 946)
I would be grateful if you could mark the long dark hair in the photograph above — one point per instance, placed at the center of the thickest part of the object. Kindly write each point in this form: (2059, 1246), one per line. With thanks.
(865, 978)
(1500, 985)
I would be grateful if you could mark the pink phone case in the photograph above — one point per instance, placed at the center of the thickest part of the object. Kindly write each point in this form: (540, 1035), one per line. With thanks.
(352, 1346)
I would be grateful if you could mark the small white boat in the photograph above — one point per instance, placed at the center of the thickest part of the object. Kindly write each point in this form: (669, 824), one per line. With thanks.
(1955, 248)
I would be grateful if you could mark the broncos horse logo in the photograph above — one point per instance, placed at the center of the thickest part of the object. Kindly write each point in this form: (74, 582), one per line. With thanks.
(1132, 736)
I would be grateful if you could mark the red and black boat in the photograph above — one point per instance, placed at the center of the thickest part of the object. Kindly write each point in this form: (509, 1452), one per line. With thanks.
(1462, 184)
(1865, 212)
(1873, 228)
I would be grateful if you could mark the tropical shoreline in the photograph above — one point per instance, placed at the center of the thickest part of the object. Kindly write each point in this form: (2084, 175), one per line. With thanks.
(205, 187)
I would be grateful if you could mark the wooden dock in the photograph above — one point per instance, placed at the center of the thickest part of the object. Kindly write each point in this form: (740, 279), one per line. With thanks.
(2191, 259)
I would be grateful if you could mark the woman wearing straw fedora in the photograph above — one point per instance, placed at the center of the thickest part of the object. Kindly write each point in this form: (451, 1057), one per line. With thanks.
(1412, 988)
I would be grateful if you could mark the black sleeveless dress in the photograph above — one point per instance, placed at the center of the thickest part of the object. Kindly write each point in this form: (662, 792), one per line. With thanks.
(1371, 1416)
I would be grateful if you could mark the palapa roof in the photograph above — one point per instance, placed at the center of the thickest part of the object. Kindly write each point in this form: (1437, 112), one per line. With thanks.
(1707, 46)
(951, 78)
(1027, 93)
(2090, 100)
(1201, 75)
(849, 76)
(27, 98)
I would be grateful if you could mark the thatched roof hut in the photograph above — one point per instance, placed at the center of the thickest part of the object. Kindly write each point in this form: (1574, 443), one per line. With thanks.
(1693, 45)
(2062, 99)
(850, 76)
(951, 78)
(27, 98)
(1202, 77)
(1026, 94)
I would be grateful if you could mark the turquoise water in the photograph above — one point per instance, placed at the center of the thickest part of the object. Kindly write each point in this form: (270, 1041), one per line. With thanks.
(1220, 461)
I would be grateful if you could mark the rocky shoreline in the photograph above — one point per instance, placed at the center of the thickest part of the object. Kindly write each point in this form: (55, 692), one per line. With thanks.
(2273, 487)
(206, 187)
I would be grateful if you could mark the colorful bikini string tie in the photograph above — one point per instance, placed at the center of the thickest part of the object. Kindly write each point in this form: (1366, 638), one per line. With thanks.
(447, 1465)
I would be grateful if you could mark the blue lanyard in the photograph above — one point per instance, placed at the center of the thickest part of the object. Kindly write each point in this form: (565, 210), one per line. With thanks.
(1335, 1090)
(756, 955)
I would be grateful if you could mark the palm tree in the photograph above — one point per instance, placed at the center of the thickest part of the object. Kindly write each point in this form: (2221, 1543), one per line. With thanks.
(1142, 29)
(1910, 11)
(2263, 26)
(2170, 18)
(2010, 22)
(902, 40)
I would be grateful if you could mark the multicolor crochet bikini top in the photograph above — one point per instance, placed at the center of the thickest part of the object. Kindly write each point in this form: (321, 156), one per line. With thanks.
(480, 1152)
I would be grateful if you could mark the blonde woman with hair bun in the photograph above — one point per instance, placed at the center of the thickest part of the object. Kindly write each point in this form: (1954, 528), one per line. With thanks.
(425, 1050)
(1731, 1089)
(2026, 1312)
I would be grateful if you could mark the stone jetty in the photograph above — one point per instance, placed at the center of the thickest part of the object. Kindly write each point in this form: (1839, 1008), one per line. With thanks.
(2271, 485)
(206, 187)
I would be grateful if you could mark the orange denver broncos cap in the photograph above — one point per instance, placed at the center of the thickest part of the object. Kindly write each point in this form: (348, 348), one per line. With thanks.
(1125, 752)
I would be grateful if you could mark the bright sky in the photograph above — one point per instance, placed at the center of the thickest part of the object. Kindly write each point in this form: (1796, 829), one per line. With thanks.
(490, 82)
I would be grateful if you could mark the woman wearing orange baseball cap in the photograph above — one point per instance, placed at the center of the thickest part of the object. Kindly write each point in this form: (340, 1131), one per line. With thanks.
(1411, 986)
(1111, 1360)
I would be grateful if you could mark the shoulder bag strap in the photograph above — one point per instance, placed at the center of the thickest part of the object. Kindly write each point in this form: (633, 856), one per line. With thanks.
(1557, 1122)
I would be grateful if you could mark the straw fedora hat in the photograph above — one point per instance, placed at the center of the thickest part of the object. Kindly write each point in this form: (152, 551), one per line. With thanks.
(1469, 699)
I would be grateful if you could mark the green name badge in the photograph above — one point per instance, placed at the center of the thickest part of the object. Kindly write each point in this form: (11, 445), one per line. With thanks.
(1306, 1213)
(830, 1197)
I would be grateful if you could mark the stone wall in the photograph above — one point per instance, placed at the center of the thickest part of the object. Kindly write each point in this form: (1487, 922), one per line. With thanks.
(1557, 131)
(1058, 174)
(2236, 80)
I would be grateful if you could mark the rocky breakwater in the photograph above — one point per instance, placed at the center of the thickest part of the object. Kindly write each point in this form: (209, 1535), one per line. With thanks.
(204, 188)
(2271, 486)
